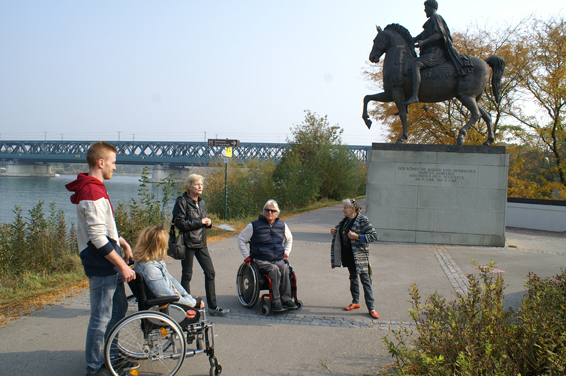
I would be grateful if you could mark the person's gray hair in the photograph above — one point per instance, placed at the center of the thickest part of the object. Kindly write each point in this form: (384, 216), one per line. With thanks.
(191, 179)
(351, 203)
(271, 202)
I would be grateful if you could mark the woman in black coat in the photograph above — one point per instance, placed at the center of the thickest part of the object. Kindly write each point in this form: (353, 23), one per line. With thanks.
(189, 216)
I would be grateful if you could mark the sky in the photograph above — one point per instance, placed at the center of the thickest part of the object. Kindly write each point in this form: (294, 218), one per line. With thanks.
(182, 70)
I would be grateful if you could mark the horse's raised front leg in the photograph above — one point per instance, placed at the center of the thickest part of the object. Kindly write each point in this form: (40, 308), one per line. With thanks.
(487, 118)
(379, 97)
(471, 104)
(399, 98)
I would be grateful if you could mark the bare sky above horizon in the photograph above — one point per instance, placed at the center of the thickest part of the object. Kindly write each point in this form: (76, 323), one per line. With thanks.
(188, 71)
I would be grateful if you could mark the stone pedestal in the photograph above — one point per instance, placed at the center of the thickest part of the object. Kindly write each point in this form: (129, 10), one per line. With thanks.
(442, 194)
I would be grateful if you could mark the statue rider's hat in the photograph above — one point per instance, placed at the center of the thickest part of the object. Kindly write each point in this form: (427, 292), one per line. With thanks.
(432, 3)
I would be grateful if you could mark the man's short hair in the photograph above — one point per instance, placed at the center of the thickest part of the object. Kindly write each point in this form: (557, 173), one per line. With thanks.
(432, 3)
(271, 202)
(99, 150)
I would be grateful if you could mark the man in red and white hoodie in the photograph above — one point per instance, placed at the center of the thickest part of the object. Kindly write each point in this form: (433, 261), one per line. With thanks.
(100, 248)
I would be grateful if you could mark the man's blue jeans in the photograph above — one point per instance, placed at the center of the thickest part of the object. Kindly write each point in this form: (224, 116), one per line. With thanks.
(108, 305)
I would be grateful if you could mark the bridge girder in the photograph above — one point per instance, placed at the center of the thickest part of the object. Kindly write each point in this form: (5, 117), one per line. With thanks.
(147, 152)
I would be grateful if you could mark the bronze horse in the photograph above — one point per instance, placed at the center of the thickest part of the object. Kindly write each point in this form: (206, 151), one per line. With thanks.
(438, 83)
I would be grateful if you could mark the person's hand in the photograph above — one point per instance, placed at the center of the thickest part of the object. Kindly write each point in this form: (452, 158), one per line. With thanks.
(207, 221)
(352, 235)
(128, 274)
(248, 260)
(333, 231)
(201, 304)
(285, 256)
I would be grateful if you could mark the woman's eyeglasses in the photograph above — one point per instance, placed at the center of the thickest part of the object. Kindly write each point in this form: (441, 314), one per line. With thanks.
(270, 211)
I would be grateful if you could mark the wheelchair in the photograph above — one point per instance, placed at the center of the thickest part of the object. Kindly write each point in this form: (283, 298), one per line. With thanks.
(250, 282)
(153, 338)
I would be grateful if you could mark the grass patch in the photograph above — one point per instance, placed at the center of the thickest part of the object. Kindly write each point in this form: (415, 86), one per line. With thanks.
(30, 292)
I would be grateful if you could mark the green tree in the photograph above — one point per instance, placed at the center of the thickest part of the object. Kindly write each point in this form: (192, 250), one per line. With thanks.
(317, 165)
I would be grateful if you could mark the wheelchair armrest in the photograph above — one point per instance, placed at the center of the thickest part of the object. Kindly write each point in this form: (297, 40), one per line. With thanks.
(163, 300)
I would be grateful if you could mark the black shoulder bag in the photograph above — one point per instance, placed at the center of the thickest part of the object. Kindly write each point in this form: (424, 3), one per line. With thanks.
(176, 243)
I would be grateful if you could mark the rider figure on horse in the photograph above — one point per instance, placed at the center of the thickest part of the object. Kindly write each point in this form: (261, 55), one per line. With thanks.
(435, 44)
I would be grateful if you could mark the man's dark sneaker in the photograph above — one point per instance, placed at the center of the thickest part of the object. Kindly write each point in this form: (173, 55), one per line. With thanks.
(277, 307)
(290, 305)
(218, 311)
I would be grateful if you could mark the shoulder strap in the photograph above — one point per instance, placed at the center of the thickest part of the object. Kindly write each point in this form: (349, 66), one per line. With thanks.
(184, 205)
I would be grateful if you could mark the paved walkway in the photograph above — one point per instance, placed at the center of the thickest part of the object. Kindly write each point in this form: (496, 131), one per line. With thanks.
(321, 338)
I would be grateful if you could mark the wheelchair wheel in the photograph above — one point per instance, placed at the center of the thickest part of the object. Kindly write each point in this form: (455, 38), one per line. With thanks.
(247, 282)
(151, 339)
(215, 368)
(200, 344)
(265, 307)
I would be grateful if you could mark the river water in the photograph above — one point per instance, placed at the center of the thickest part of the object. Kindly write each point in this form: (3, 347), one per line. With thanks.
(26, 192)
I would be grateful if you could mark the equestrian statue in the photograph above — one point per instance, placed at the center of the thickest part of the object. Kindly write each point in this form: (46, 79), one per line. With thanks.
(438, 74)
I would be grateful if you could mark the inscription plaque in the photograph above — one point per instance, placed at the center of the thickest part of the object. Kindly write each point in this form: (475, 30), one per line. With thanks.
(434, 174)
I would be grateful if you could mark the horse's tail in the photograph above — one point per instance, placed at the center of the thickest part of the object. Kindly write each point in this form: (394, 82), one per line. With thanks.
(497, 64)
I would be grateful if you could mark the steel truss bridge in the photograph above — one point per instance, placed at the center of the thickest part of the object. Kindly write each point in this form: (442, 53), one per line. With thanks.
(173, 154)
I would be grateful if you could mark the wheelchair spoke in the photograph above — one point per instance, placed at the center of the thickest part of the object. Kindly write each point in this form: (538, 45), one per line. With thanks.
(150, 339)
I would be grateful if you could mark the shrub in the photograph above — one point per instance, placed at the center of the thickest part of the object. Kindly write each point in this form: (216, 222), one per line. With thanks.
(36, 244)
(249, 187)
(475, 335)
(146, 210)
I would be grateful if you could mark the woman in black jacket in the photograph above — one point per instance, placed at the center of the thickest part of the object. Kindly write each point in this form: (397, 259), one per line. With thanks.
(189, 216)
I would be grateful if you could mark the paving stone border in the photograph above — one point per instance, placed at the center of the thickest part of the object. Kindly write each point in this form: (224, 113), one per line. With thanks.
(457, 278)
(319, 320)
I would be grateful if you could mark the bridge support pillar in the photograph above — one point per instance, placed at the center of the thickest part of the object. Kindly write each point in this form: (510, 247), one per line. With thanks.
(160, 172)
(28, 170)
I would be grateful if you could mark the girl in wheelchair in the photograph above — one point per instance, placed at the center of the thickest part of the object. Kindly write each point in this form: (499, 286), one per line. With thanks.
(149, 254)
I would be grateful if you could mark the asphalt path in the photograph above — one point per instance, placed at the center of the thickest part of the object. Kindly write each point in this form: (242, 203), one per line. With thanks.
(320, 338)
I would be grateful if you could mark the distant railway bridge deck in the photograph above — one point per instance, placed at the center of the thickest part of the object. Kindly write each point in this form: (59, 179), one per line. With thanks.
(167, 153)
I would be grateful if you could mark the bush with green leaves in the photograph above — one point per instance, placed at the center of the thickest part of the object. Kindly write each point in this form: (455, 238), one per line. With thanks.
(249, 187)
(132, 217)
(476, 335)
(41, 246)
(37, 244)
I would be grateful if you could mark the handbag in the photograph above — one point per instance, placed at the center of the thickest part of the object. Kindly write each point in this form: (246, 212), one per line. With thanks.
(176, 247)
